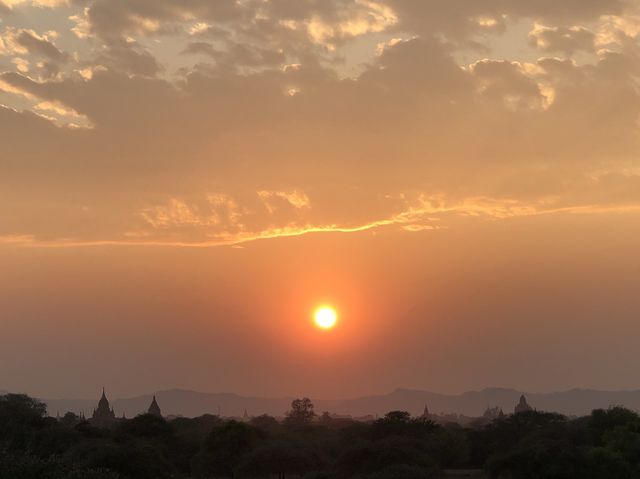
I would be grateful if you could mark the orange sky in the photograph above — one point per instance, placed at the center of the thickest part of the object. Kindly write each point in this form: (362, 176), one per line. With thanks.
(183, 183)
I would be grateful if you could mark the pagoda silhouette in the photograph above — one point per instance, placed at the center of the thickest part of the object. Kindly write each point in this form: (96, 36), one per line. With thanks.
(103, 415)
(522, 406)
(154, 409)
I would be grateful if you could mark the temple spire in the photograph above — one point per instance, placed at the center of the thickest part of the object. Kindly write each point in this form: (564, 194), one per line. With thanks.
(104, 414)
(522, 406)
(154, 409)
(425, 413)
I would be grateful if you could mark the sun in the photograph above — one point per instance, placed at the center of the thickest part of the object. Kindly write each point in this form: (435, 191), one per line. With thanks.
(325, 317)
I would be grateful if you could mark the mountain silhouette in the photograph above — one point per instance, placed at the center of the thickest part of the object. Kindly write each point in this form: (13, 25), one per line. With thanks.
(472, 403)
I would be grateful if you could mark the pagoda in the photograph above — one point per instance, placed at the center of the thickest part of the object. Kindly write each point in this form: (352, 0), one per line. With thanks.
(104, 415)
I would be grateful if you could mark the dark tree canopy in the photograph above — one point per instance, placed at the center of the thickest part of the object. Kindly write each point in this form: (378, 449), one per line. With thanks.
(528, 445)
(301, 412)
(224, 448)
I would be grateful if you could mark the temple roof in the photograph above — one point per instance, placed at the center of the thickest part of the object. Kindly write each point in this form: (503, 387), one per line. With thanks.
(104, 402)
(154, 408)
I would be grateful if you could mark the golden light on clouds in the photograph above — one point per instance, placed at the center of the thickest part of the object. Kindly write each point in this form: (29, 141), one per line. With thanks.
(217, 155)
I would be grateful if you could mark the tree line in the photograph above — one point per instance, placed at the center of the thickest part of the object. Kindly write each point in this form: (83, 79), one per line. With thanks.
(529, 445)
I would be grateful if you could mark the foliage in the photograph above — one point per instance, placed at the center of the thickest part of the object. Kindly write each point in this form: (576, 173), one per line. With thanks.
(20, 417)
(281, 458)
(301, 412)
(530, 445)
(267, 424)
(224, 448)
(32, 467)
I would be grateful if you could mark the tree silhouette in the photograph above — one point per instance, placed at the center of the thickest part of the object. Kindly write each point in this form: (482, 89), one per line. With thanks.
(281, 458)
(224, 448)
(532, 444)
(301, 412)
(20, 417)
(70, 419)
(265, 423)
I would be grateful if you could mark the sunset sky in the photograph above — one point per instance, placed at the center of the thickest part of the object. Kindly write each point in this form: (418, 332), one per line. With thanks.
(182, 182)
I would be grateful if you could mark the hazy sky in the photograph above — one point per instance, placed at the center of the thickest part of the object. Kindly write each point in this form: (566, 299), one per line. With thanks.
(183, 181)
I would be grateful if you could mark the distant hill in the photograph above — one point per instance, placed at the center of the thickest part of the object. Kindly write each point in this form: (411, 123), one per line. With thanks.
(473, 403)
(178, 402)
(190, 403)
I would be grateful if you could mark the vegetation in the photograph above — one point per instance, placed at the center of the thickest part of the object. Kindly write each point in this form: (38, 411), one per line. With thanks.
(529, 445)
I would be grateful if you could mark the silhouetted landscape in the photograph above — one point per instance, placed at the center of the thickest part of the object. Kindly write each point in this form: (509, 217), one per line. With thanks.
(526, 443)
(576, 402)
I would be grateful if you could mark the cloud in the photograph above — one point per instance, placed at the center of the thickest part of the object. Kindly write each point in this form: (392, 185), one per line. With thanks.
(37, 49)
(507, 83)
(331, 21)
(252, 33)
(37, 3)
(21, 64)
(567, 40)
(237, 55)
(460, 19)
(39, 45)
(129, 57)
(110, 19)
(258, 145)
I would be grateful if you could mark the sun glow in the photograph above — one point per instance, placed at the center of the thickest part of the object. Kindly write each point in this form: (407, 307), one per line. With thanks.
(325, 317)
